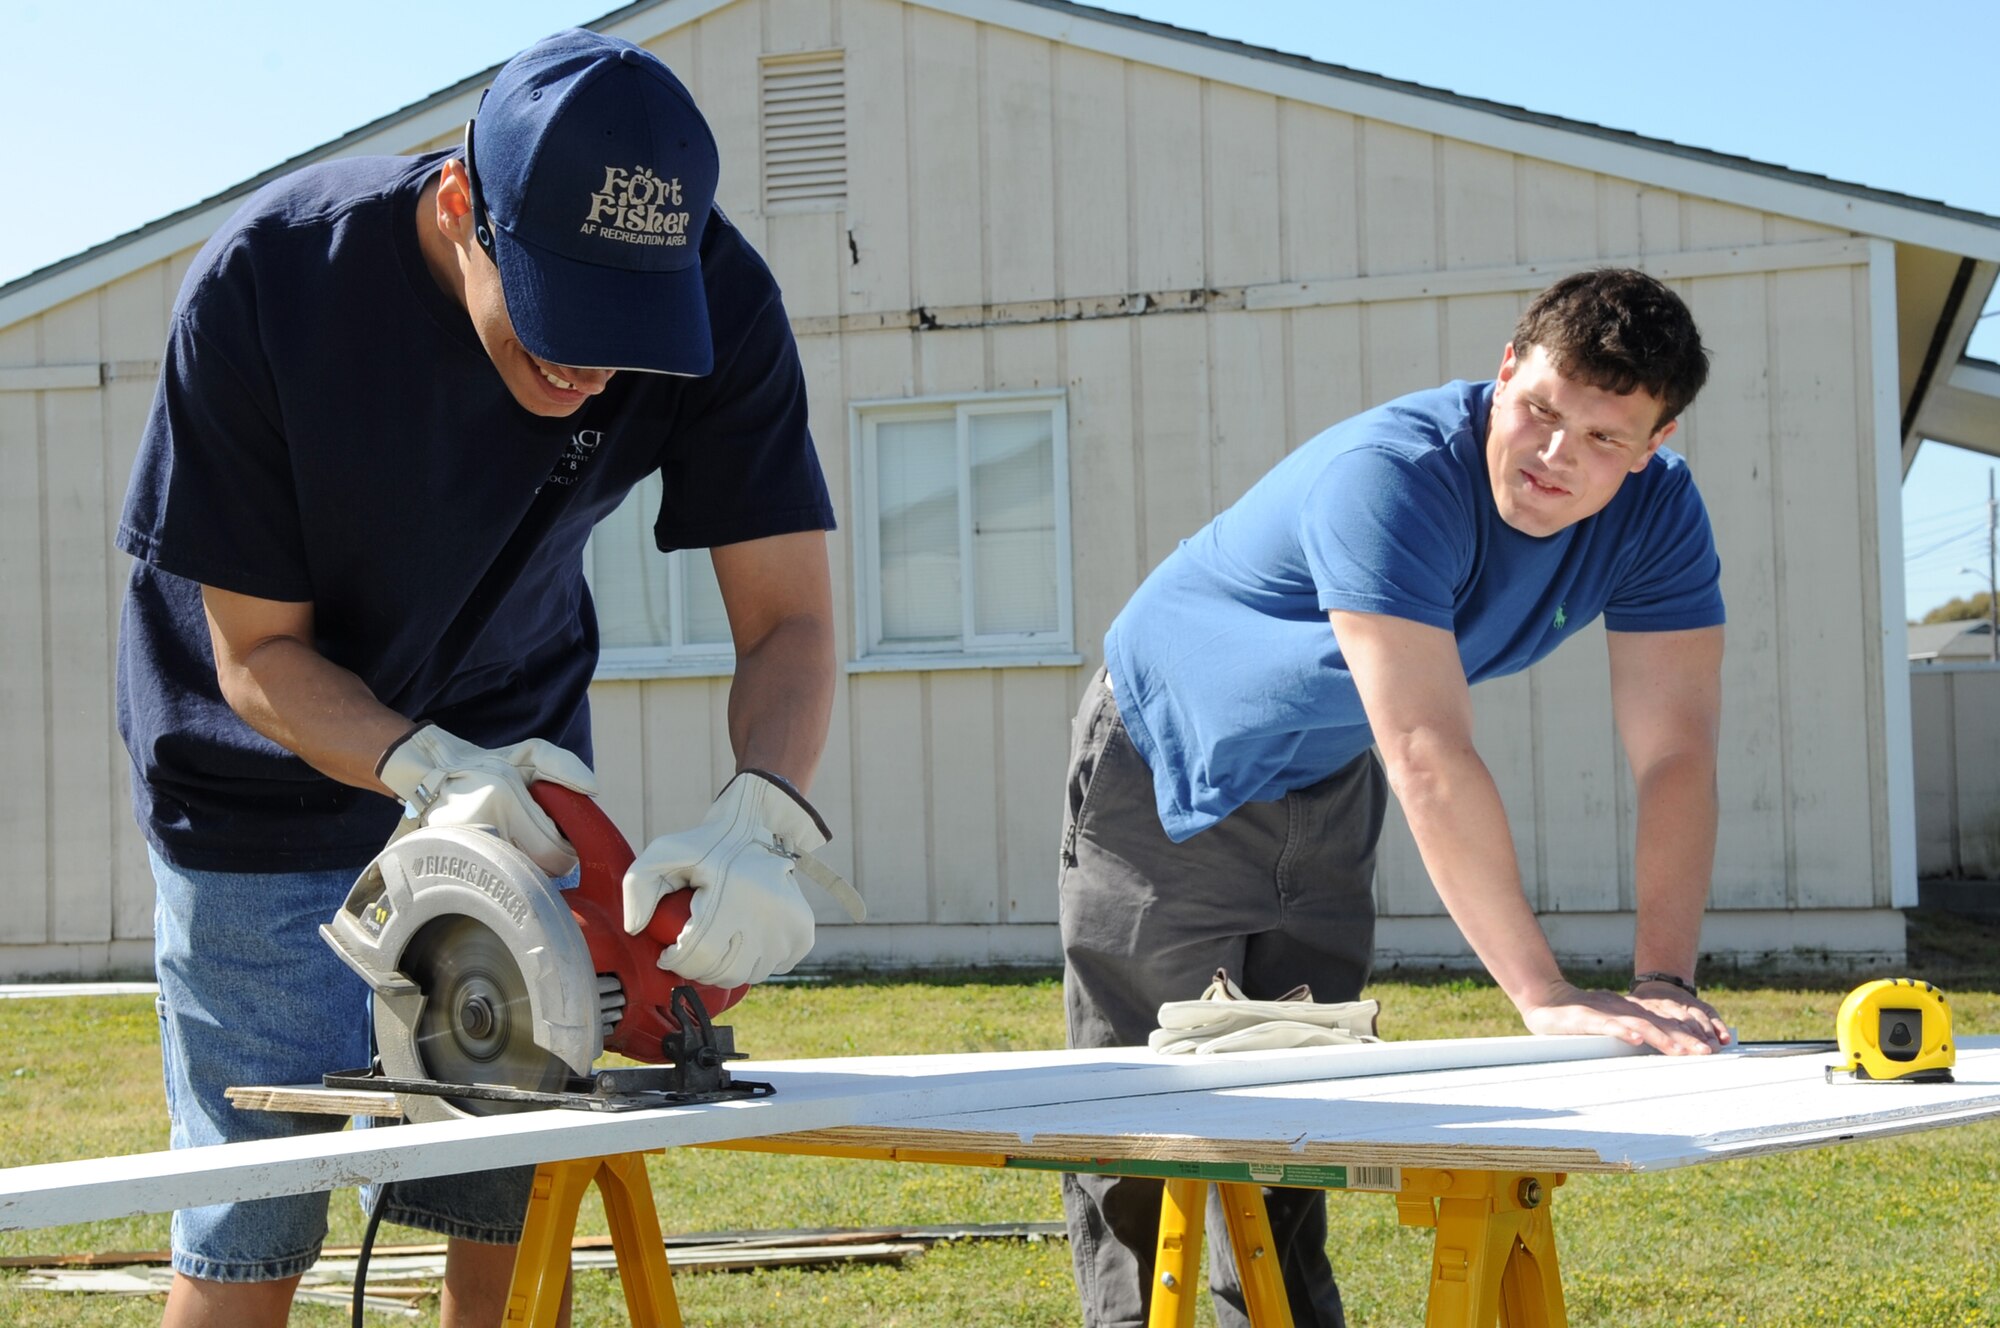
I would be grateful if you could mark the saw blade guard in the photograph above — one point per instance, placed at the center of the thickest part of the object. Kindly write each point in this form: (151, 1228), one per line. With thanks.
(598, 905)
(440, 874)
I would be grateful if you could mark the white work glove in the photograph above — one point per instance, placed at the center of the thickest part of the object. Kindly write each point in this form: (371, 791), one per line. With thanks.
(448, 781)
(747, 919)
(1224, 1019)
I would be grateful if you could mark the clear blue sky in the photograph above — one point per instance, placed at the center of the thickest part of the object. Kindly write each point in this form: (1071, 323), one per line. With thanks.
(122, 111)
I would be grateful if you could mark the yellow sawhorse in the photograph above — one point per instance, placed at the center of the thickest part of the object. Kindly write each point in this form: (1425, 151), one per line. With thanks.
(1493, 1260)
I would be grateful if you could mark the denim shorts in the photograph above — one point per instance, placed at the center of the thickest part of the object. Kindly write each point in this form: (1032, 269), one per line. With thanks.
(250, 994)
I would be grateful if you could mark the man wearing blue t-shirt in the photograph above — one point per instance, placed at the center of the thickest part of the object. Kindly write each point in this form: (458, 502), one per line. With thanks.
(397, 395)
(1223, 798)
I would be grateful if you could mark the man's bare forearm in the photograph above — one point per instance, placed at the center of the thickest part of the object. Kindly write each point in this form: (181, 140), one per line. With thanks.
(1460, 826)
(782, 699)
(304, 702)
(1674, 862)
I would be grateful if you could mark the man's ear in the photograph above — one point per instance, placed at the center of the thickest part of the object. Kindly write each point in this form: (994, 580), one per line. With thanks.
(454, 194)
(1660, 436)
(1508, 363)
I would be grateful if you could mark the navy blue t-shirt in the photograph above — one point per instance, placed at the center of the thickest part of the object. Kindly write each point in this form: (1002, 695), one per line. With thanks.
(328, 428)
(1226, 671)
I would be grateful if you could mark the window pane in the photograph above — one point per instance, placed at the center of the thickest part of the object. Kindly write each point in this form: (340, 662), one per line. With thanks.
(706, 623)
(916, 463)
(628, 579)
(1013, 522)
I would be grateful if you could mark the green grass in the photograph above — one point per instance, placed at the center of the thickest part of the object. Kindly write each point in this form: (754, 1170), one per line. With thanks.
(1896, 1231)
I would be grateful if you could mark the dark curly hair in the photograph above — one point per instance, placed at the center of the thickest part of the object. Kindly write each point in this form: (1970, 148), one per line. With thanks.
(1618, 330)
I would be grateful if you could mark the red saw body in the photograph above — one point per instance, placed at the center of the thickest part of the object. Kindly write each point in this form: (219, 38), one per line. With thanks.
(598, 905)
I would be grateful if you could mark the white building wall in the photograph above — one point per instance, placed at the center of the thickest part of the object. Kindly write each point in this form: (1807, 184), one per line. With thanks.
(1301, 264)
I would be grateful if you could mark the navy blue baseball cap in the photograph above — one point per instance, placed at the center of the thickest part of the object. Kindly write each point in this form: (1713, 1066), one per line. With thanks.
(592, 179)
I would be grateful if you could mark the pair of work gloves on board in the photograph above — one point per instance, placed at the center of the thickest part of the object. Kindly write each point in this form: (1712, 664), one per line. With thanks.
(1224, 1019)
(747, 920)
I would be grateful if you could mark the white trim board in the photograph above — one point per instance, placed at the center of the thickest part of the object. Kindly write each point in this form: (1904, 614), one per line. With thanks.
(812, 1095)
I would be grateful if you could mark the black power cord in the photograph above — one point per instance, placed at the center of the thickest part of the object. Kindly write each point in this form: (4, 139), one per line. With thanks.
(367, 1246)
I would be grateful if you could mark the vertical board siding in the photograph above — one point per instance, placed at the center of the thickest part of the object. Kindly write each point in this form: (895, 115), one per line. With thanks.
(78, 610)
(24, 678)
(878, 162)
(1092, 236)
(964, 826)
(948, 217)
(1163, 131)
(1934, 731)
(1240, 141)
(134, 327)
(1736, 477)
(1319, 213)
(1819, 511)
(1104, 485)
(1975, 772)
(1017, 130)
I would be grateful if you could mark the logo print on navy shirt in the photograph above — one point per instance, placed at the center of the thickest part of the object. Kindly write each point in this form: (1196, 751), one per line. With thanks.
(1562, 616)
(637, 207)
(583, 445)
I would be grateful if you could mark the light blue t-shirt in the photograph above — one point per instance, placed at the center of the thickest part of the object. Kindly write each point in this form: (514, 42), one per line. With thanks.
(1226, 671)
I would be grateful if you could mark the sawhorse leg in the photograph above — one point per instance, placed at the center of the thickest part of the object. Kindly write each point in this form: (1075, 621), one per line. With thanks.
(534, 1298)
(1177, 1265)
(1494, 1258)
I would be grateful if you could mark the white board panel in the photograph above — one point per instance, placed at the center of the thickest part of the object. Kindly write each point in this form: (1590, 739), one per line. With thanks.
(24, 813)
(951, 362)
(891, 795)
(618, 746)
(1727, 436)
(1103, 470)
(1019, 160)
(963, 825)
(797, 25)
(1975, 714)
(1174, 451)
(1476, 200)
(1163, 126)
(948, 224)
(1035, 712)
(1093, 229)
(1242, 198)
(79, 615)
(1932, 730)
(878, 167)
(1246, 400)
(678, 732)
(728, 90)
(806, 251)
(1317, 172)
(1328, 375)
(1822, 636)
(1398, 199)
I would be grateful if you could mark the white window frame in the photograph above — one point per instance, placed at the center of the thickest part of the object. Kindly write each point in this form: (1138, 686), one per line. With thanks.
(1053, 648)
(677, 658)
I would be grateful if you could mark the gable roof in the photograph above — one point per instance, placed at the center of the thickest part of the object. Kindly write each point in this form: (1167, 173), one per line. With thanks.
(1617, 152)
(1969, 638)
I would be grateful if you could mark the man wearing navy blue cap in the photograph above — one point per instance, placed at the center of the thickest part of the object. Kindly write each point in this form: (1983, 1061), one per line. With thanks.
(397, 395)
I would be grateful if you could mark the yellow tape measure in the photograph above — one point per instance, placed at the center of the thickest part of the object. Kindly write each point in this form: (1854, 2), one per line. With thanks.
(1894, 1030)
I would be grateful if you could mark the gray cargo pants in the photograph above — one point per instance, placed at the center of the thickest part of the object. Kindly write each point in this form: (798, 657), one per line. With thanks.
(1278, 893)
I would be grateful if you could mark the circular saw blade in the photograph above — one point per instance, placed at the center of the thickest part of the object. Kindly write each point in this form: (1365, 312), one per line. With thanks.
(476, 1026)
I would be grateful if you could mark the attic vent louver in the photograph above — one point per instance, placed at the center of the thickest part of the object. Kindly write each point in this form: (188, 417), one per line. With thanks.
(805, 130)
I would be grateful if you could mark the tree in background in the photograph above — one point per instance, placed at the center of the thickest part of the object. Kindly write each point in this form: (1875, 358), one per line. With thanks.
(1961, 609)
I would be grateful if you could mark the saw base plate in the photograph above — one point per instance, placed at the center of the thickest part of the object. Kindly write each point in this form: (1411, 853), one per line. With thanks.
(626, 1089)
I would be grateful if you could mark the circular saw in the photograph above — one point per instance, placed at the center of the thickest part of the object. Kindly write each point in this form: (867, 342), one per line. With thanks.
(494, 991)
